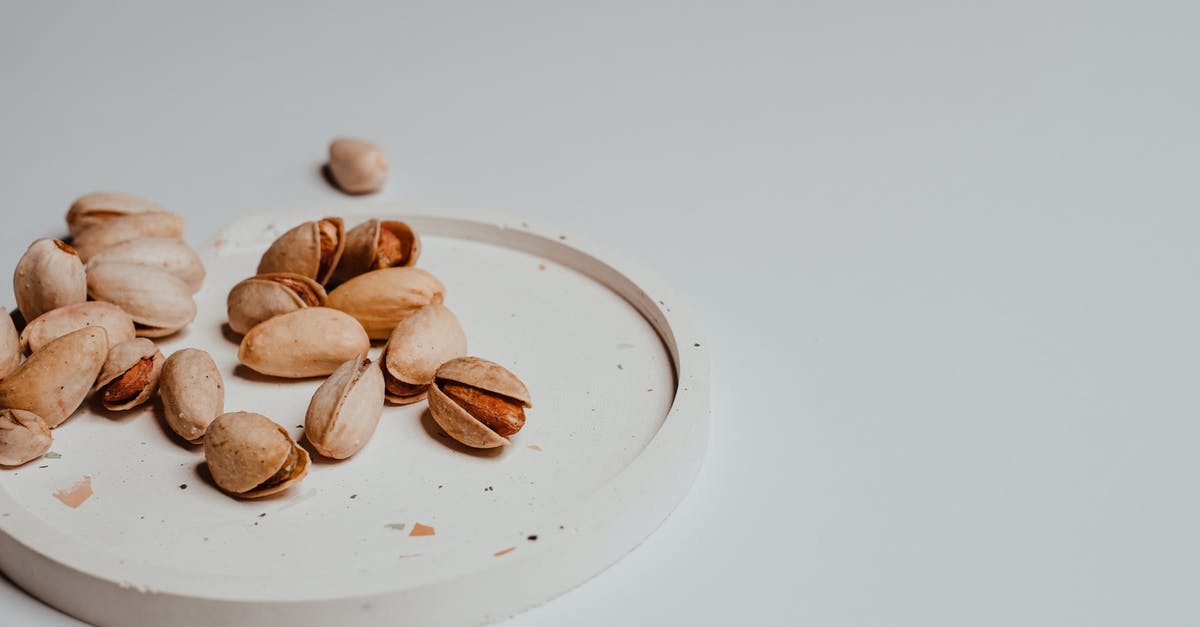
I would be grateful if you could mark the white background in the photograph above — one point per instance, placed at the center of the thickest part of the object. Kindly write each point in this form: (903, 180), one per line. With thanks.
(945, 254)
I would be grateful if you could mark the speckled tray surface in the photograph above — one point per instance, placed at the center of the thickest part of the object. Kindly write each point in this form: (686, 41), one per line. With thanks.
(120, 525)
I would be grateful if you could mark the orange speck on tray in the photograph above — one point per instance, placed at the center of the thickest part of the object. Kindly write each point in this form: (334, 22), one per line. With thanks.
(542, 267)
(421, 530)
(505, 551)
(534, 447)
(75, 495)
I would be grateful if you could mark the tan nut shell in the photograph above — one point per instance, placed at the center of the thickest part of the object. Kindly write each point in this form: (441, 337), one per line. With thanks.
(422, 342)
(158, 301)
(382, 298)
(262, 297)
(192, 392)
(244, 449)
(50, 275)
(10, 344)
(309, 342)
(121, 358)
(481, 374)
(361, 253)
(299, 251)
(53, 382)
(345, 410)
(358, 167)
(24, 437)
(91, 209)
(113, 231)
(55, 324)
(164, 253)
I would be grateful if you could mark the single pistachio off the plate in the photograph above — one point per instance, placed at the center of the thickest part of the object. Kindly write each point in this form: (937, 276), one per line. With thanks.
(312, 249)
(10, 344)
(260, 298)
(345, 410)
(308, 342)
(91, 209)
(375, 245)
(419, 344)
(478, 402)
(49, 275)
(113, 231)
(380, 299)
(159, 302)
(24, 437)
(59, 322)
(53, 382)
(192, 392)
(249, 456)
(165, 253)
(358, 167)
(130, 374)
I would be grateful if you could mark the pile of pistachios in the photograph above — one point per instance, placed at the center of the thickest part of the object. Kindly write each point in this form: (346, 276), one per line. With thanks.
(320, 296)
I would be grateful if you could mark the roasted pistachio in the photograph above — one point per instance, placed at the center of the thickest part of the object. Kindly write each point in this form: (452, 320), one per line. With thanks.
(10, 344)
(24, 437)
(358, 167)
(309, 342)
(382, 298)
(130, 374)
(420, 343)
(375, 245)
(312, 249)
(59, 322)
(50, 275)
(164, 253)
(113, 231)
(53, 382)
(159, 302)
(478, 402)
(91, 209)
(265, 296)
(250, 456)
(192, 391)
(345, 410)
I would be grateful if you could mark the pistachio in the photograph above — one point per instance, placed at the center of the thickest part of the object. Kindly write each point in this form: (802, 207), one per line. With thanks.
(24, 437)
(375, 245)
(478, 402)
(130, 374)
(420, 343)
(312, 249)
(380, 299)
(53, 382)
(265, 296)
(59, 322)
(250, 456)
(308, 342)
(158, 302)
(119, 229)
(358, 167)
(165, 253)
(91, 209)
(192, 391)
(10, 344)
(345, 410)
(50, 275)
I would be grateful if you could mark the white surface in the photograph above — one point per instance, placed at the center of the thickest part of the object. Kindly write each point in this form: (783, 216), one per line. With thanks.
(945, 253)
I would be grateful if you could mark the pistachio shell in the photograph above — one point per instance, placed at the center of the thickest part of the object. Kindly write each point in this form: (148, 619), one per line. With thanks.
(113, 231)
(265, 296)
(309, 342)
(401, 247)
(131, 373)
(420, 343)
(380, 299)
(10, 344)
(299, 251)
(345, 410)
(91, 209)
(165, 253)
(480, 374)
(245, 451)
(158, 302)
(57, 323)
(50, 275)
(192, 391)
(358, 167)
(24, 437)
(53, 382)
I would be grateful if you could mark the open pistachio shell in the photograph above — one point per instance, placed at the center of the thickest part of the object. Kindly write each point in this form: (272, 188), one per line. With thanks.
(309, 342)
(91, 209)
(312, 249)
(130, 374)
(113, 231)
(24, 437)
(250, 456)
(49, 275)
(375, 245)
(53, 382)
(495, 392)
(164, 253)
(192, 392)
(345, 410)
(10, 344)
(265, 296)
(380, 299)
(358, 167)
(59, 322)
(419, 344)
(159, 302)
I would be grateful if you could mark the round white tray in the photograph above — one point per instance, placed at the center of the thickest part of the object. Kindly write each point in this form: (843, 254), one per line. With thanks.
(119, 525)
